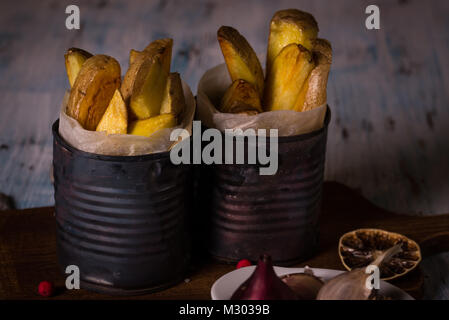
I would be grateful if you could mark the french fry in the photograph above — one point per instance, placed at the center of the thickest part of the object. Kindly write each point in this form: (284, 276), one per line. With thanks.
(241, 60)
(287, 76)
(173, 101)
(241, 97)
(74, 59)
(290, 26)
(115, 118)
(161, 48)
(149, 126)
(314, 91)
(94, 87)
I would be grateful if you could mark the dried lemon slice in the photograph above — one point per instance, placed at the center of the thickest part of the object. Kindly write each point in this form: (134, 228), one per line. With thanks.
(360, 247)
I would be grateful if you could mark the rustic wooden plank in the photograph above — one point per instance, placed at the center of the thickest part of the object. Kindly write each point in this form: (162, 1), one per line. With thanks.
(28, 248)
(388, 89)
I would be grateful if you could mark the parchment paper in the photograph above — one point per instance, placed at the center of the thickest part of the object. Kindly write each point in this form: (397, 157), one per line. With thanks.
(211, 88)
(123, 144)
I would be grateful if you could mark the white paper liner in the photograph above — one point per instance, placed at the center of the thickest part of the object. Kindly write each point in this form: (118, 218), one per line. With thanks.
(123, 144)
(213, 85)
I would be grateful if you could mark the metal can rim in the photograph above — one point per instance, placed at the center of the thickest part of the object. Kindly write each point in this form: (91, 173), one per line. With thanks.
(102, 157)
(305, 136)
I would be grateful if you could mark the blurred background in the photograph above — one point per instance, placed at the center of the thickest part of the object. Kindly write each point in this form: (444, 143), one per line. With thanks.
(388, 89)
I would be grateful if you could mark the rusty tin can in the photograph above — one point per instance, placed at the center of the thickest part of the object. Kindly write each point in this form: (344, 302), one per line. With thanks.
(249, 214)
(122, 220)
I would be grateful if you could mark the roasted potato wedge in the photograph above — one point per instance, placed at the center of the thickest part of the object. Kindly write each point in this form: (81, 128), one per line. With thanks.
(161, 48)
(290, 26)
(133, 56)
(314, 92)
(149, 126)
(287, 76)
(241, 97)
(93, 89)
(74, 59)
(115, 118)
(173, 101)
(241, 60)
(148, 90)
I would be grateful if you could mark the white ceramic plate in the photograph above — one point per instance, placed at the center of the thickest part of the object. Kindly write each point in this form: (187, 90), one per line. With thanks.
(225, 286)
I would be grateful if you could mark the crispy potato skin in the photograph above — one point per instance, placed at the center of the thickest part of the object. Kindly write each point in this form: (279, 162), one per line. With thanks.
(287, 76)
(74, 59)
(173, 101)
(241, 97)
(241, 60)
(290, 26)
(161, 48)
(148, 90)
(314, 92)
(149, 126)
(115, 118)
(93, 89)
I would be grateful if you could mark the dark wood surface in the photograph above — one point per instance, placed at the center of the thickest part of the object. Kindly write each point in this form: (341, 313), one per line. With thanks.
(28, 248)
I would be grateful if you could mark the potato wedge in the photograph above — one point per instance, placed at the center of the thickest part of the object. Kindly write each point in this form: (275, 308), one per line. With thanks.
(173, 101)
(314, 92)
(290, 26)
(148, 90)
(133, 56)
(93, 89)
(149, 126)
(115, 118)
(241, 96)
(161, 48)
(287, 76)
(241, 60)
(74, 59)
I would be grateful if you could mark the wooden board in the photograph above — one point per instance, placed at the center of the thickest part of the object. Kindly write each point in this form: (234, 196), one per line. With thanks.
(27, 248)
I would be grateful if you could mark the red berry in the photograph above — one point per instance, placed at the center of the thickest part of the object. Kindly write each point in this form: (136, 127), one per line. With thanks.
(46, 289)
(243, 263)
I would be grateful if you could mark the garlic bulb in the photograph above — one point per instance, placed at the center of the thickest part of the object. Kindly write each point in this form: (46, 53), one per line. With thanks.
(352, 285)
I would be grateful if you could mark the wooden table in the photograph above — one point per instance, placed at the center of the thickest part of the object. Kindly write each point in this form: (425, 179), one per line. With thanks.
(388, 88)
(28, 248)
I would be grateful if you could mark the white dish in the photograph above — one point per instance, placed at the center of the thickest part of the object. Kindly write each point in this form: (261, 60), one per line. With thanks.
(225, 286)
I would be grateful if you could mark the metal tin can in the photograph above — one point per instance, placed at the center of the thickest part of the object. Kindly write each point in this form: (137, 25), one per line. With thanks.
(122, 220)
(249, 214)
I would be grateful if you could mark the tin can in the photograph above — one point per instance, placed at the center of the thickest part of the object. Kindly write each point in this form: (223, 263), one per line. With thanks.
(122, 220)
(249, 214)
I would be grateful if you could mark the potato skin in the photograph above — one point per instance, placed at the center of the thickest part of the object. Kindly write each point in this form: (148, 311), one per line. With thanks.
(133, 54)
(93, 89)
(241, 60)
(162, 47)
(290, 26)
(314, 92)
(173, 101)
(74, 59)
(287, 76)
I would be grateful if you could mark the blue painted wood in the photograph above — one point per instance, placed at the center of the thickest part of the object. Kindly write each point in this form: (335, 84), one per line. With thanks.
(388, 89)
